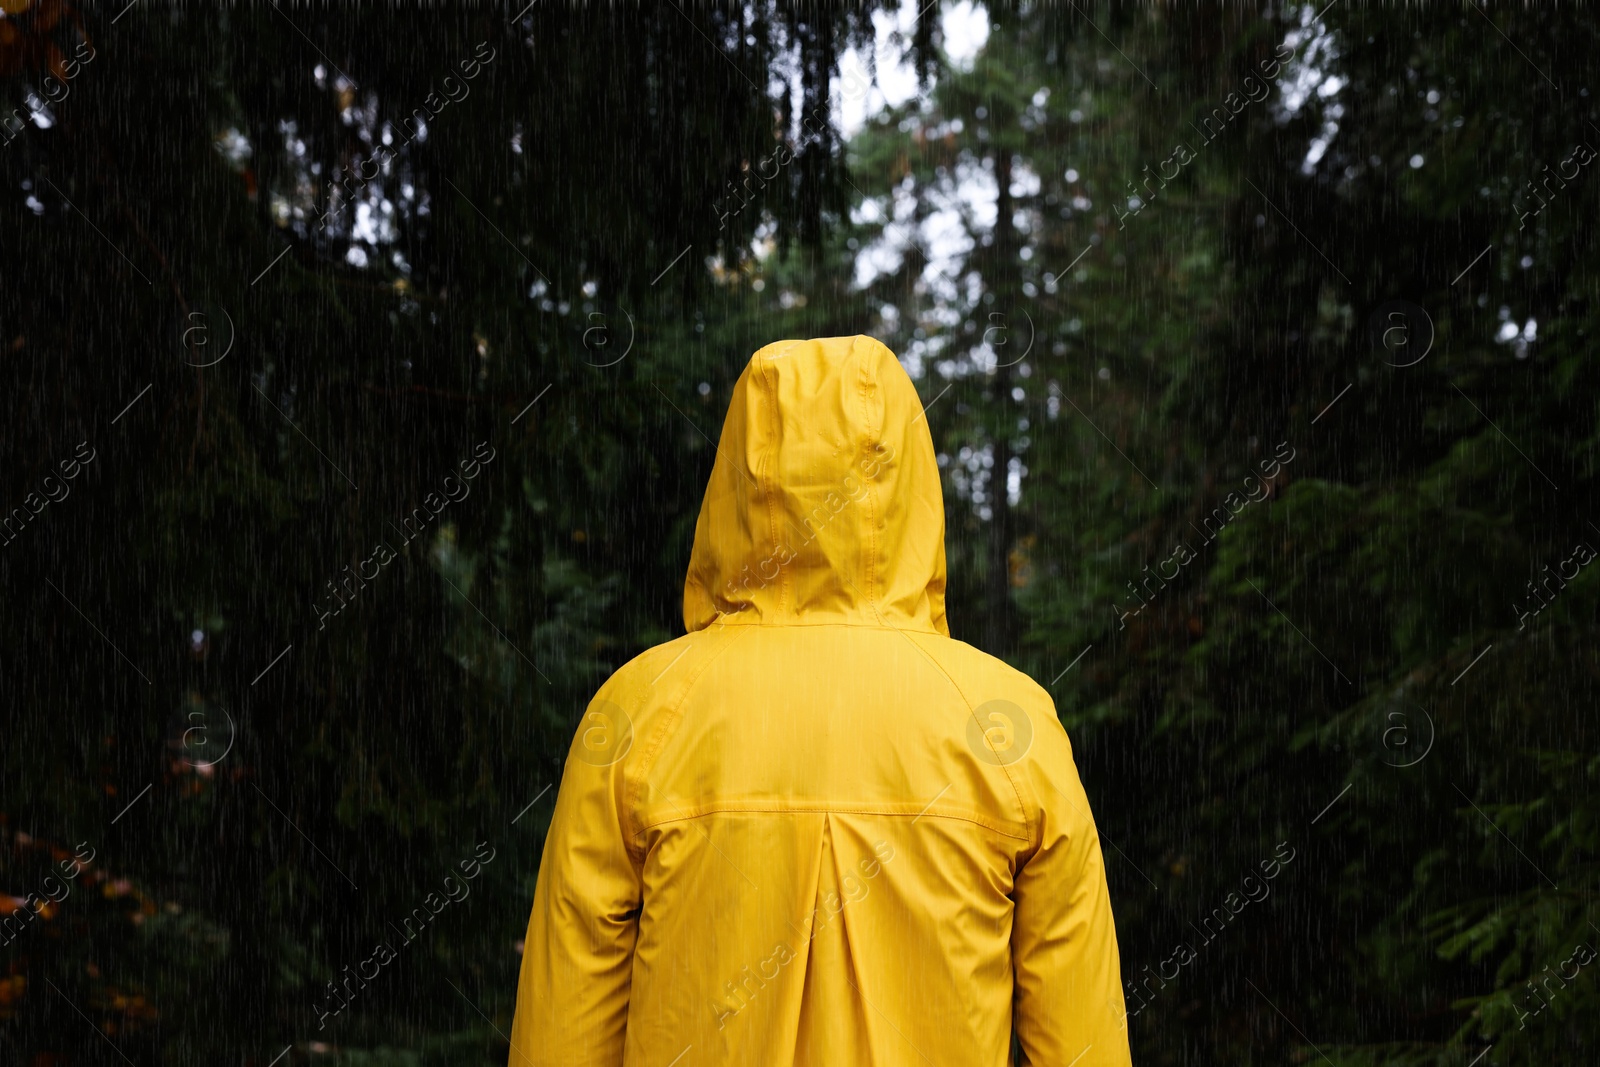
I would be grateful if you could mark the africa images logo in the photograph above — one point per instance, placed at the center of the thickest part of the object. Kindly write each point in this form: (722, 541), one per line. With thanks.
(999, 732)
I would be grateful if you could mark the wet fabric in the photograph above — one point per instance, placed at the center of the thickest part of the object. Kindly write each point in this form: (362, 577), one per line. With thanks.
(815, 829)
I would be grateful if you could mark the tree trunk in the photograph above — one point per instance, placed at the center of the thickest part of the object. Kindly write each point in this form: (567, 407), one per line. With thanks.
(1000, 629)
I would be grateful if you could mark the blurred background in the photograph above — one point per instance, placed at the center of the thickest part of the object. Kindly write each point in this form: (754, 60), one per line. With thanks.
(363, 368)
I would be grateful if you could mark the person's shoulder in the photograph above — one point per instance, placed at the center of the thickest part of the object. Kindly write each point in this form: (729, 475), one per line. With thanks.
(984, 677)
(624, 703)
(1000, 693)
(629, 682)
(662, 674)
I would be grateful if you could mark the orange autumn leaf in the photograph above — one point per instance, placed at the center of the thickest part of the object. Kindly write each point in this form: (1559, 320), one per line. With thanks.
(49, 13)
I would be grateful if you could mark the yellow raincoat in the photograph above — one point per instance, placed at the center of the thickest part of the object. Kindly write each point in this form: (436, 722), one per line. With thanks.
(815, 829)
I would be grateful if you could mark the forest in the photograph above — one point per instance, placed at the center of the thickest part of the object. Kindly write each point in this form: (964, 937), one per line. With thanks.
(365, 365)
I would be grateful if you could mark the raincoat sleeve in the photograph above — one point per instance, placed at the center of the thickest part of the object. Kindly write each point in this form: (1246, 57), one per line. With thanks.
(577, 961)
(1068, 983)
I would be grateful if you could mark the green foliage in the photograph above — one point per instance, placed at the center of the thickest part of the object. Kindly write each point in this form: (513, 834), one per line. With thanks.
(1347, 657)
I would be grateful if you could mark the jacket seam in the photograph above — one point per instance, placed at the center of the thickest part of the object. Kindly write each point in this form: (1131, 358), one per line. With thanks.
(673, 715)
(1027, 816)
(769, 379)
(818, 809)
(871, 567)
(883, 624)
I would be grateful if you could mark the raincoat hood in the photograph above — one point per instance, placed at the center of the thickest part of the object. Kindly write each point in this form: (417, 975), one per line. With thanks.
(824, 503)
